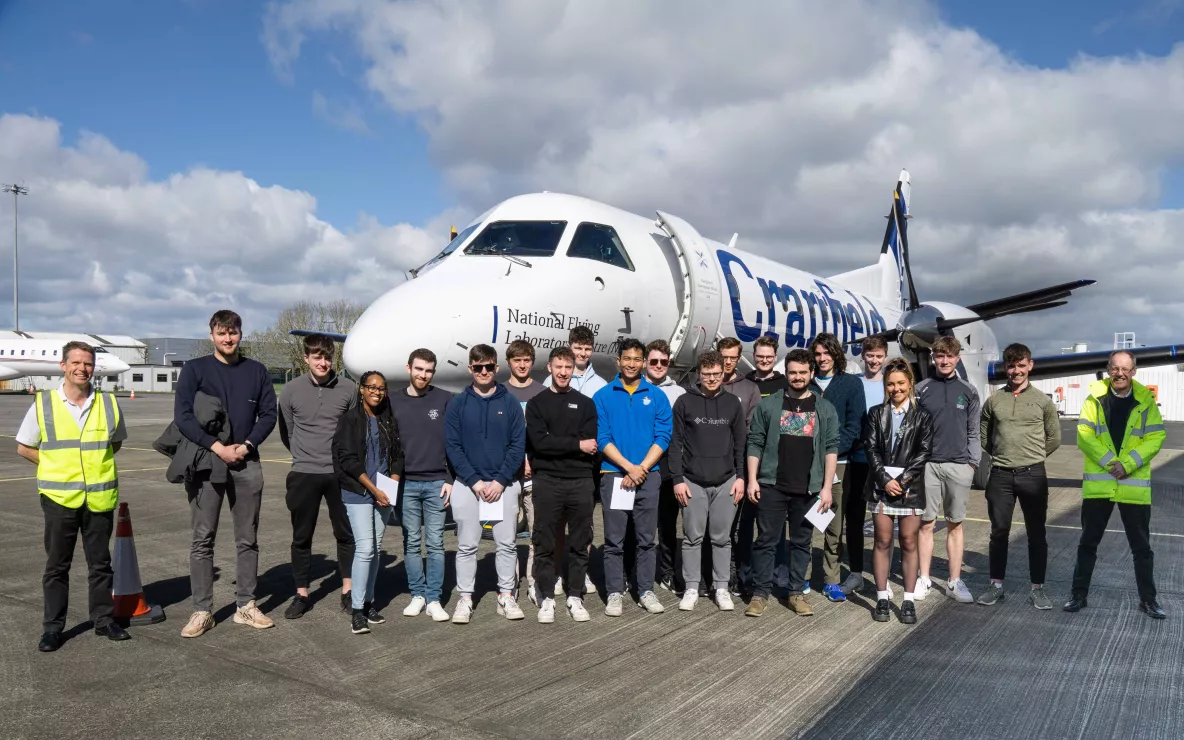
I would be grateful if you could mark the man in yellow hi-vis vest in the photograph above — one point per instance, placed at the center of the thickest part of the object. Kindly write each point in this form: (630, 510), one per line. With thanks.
(72, 435)
(1119, 431)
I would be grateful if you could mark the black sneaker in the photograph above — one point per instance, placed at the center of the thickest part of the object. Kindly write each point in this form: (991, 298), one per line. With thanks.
(1075, 604)
(908, 612)
(347, 602)
(360, 627)
(372, 615)
(298, 607)
(883, 611)
(1152, 609)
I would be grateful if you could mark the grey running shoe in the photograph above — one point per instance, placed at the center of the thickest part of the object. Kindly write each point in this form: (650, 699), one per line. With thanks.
(992, 595)
(1039, 599)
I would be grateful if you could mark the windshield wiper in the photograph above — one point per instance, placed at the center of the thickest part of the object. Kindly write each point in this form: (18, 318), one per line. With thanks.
(516, 260)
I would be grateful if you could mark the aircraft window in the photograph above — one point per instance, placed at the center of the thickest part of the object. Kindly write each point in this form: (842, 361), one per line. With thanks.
(452, 247)
(518, 238)
(43, 353)
(601, 243)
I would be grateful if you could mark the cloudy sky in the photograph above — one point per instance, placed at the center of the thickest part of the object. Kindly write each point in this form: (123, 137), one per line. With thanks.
(182, 155)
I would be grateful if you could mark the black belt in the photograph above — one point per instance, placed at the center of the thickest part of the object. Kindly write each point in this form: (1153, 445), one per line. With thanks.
(1038, 467)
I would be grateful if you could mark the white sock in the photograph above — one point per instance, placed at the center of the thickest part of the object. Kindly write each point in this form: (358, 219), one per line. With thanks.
(908, 595)
(996, 585)
(886, 595)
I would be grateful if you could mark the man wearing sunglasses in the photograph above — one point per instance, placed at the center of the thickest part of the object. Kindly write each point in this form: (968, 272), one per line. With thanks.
(485, 436)
(633, 425)
(657, 369)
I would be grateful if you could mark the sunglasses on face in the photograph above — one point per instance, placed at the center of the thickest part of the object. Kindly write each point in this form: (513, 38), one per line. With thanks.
(485, 367)
(659, 363)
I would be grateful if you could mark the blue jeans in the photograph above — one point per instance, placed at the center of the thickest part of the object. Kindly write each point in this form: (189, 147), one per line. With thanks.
(423, 507)
(368, 522)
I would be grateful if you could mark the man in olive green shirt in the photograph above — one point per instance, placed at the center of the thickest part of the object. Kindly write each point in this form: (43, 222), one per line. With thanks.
(1020, 428)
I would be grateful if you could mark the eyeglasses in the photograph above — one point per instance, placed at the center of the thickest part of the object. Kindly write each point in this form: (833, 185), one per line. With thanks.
(485, 367)
(375, 388)
(768, 358)
(712, 376)
(659, 363)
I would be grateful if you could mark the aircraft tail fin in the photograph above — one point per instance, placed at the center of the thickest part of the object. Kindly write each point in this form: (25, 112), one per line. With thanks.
(889, 280)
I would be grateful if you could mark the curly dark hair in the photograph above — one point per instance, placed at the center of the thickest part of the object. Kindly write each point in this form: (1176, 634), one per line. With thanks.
(830, 343)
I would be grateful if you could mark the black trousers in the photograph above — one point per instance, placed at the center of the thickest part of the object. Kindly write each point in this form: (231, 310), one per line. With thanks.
(1028, 486)
(305, 491)
(771, 513)
(855, 512)
(62, 526)
(668, 535)
(1136, 520)
(558, 501)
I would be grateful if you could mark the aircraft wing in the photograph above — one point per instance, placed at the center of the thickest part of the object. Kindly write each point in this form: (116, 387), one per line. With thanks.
(7, 373)
(306, 332)
(1058, 366)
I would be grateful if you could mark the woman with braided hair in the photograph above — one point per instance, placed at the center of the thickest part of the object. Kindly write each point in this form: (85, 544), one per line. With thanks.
(365, 445)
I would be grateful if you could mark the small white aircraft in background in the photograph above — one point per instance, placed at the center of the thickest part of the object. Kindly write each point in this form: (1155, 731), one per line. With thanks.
(534, 266)
(21, 356)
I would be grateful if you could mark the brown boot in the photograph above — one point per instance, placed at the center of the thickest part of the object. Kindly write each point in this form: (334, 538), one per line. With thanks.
(800, 606)
(756, 607)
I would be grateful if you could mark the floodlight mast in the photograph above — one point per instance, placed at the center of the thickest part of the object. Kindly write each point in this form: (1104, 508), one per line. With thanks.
(16, 190)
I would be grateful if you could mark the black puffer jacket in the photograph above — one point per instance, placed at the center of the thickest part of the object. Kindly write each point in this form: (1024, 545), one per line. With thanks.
(911, 453)
(349, 447)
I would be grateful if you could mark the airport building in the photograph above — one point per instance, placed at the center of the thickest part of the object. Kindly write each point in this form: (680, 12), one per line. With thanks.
(173, 351)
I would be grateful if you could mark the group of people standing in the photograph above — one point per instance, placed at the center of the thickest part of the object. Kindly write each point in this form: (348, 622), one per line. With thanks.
(726, 452)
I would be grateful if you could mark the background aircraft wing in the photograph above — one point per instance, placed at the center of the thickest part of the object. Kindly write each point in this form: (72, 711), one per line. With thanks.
(1057, 366)
(306, 332)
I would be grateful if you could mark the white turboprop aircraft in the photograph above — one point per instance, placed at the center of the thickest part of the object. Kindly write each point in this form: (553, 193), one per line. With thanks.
(534, 266)
(21, 356)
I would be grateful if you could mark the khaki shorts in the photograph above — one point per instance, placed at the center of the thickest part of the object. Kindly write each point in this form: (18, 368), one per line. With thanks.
(947, 486)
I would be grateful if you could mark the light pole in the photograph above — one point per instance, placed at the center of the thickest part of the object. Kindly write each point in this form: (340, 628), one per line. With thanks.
(163, 358)
(16, 190)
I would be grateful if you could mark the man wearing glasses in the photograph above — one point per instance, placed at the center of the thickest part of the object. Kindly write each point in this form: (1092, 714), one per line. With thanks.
(1120, 431)
(729, 349)
(657, 369)
(485, 437)
(767, 378)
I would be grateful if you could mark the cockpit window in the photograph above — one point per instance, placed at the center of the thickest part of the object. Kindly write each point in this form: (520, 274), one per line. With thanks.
(601, 243)
(452, 247)
(518, 238)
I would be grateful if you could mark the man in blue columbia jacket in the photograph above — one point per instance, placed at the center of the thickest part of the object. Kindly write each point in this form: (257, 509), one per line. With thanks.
(633, 423)
(485, 438)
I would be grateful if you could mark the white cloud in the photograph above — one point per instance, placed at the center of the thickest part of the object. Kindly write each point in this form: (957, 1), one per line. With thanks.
(343, 114)
(788, 122)
(104, 248)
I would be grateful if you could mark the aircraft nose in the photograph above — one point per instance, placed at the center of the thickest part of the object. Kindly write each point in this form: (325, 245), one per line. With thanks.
(390, 329)
(115, 366)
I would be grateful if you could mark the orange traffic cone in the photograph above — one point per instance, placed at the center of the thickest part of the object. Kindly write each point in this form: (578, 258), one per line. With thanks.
(133, 393)
(127, 591)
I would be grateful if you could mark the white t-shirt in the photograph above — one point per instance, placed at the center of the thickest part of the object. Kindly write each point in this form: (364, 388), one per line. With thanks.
(30, 433)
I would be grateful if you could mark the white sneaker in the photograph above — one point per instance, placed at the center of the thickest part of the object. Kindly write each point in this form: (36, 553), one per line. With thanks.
(921, 590)
(547, 611)
(959, 591)
(612, 607)
(436, 612)
(508, 608)
(575, 607)
(558, 586)
(689, 598)
(464, 610)
(853, 583)
(415, 607)
(589, 587)
(723, 599)
(649, 602)
(531, 593)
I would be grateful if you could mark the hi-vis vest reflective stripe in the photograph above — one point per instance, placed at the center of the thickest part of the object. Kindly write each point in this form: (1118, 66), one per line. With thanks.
(1142, 440)
(77, 466)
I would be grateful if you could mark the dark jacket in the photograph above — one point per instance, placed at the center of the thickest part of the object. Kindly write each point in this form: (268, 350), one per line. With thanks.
(709, 438)
(349, 448)
(764, 439)
(845, 393)
(555, 424)
(911, 454)
(954, 407)
(189, 458)
(485, 437)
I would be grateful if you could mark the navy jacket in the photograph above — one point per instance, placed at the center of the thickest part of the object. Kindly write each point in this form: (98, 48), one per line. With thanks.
(845, 393)
(485, 438)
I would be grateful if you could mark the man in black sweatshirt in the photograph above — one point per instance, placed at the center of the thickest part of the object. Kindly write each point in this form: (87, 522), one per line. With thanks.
(706, 463)
(244, 387)
(561, 445)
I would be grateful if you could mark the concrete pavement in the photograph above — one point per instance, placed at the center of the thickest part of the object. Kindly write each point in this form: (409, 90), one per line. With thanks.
(962, 671)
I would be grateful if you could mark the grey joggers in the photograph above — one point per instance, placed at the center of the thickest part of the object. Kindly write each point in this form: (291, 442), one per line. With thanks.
(708, 511)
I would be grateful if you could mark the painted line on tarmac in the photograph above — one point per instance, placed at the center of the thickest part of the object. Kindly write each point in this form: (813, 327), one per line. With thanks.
(1066, 526)
(133, 470)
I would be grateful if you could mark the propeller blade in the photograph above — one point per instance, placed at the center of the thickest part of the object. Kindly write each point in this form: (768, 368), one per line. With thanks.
(1051, 293)
(902, 230)
(946, 324)
(888, 336)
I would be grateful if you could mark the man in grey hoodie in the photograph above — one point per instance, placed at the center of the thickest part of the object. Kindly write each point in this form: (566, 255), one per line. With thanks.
(310, 407)
(706, 463)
